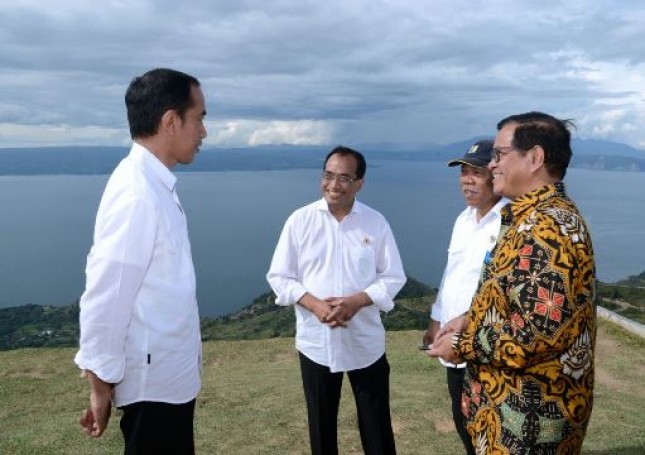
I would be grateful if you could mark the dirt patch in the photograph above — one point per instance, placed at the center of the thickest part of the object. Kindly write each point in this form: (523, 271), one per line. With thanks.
(605, 347)
(606, 350)
(398, 427)
(30, 374)
(443, 425)
(620, 303)
(284, 357)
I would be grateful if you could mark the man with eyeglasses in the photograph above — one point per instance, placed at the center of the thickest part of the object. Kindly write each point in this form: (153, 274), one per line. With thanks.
(473, 237)
(338, 264)
(529, 336)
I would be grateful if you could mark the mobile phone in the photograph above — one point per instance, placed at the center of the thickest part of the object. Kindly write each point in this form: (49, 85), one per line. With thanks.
(425, 347)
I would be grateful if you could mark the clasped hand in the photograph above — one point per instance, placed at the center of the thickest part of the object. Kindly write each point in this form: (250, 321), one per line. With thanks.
(340, 311)
(335, 311)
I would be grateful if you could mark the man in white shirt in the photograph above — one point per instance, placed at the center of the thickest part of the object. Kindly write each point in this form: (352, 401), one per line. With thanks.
(473, 237)
(337, 262)
(140, 342)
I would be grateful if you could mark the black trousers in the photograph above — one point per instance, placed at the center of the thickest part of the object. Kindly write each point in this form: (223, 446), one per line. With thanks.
(158, 428)
(371, 387)
(455, 386)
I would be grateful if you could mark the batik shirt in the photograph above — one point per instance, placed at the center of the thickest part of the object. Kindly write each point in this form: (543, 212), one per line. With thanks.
(531, 333)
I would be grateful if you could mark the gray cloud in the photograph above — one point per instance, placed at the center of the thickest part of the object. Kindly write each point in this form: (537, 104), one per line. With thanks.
(363, 71)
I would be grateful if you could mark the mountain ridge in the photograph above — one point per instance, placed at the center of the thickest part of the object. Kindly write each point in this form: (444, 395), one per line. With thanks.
(101, 160)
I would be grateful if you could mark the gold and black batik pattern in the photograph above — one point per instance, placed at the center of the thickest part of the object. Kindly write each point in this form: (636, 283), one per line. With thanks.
(531, 332)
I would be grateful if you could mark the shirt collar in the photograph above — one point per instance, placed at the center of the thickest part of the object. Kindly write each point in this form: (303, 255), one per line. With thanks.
(322, 205)
(497, 208)
(152, 164)
(495, 211)
(524, 203)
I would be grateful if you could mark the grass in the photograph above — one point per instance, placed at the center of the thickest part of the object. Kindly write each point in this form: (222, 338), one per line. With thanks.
(252, 402)
(627, 297)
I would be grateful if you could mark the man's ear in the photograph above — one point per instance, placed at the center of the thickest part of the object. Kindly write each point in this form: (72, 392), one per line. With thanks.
(168, 121)
(537, 161)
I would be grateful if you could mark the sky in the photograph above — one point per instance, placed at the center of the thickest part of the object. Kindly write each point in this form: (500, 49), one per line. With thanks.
(312, 72)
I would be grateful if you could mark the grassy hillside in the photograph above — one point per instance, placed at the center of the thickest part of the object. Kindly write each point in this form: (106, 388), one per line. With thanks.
(625, 297)
(37, 326)
(49, 326)
(252, 402)
(34, 326)
(264, 319)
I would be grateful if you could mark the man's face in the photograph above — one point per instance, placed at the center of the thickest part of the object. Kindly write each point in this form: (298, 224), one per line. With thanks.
(340, 195)
(477, 187)
(191, 129)
(512, 173)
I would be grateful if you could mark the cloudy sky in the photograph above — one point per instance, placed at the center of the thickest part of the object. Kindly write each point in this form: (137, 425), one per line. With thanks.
(325, 72)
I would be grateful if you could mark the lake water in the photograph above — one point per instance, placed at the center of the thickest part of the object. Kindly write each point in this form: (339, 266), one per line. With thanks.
(235, 219)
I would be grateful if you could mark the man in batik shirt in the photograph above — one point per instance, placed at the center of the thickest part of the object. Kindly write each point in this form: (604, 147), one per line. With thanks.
(529, 336)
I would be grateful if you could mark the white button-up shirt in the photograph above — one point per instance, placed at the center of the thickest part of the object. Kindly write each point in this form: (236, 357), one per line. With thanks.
(327, 258)
(139, 319)
(470, 243)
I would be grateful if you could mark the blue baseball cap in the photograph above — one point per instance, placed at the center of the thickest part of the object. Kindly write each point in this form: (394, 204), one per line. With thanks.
(478, 155)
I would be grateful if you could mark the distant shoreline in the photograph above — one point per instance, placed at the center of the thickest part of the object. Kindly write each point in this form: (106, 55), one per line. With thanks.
(95, 160)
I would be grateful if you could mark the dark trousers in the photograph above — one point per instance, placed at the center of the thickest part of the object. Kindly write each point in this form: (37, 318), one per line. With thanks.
(158, 428)
(455, 386)
(371, 387)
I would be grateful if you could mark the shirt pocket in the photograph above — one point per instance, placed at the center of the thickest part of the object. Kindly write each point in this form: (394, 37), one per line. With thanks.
(169, 241)
(364, 253)
(173, 233)
(456, 252)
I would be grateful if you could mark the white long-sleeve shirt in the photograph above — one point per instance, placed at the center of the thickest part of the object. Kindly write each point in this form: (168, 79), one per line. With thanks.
(471, 241)
(139, 319)
(327, 258)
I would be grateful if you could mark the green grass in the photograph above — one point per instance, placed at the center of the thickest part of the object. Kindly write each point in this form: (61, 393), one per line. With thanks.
(252, 402)
(627, 297)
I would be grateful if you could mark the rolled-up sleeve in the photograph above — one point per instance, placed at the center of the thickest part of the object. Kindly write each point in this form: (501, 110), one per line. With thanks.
(283, 272)
(390, 276)
(123, 246)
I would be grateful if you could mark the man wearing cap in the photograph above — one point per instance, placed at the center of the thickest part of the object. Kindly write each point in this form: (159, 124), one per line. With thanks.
(530, 333)
(473, 237)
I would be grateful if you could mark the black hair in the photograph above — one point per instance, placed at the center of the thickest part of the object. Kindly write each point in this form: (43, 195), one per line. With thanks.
(361, 165)
(151, 95)
(550, 133)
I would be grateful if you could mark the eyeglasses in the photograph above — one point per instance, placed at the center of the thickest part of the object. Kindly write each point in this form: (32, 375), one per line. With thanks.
(341, 178)
(498, 152)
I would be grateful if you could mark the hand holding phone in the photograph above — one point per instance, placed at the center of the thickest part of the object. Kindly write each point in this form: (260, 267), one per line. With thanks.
(425, 347)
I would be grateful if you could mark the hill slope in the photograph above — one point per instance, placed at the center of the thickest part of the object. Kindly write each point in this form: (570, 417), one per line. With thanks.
(49, 326)
(625, 297)
(31, 326)
(264, 319)
(34, 326)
